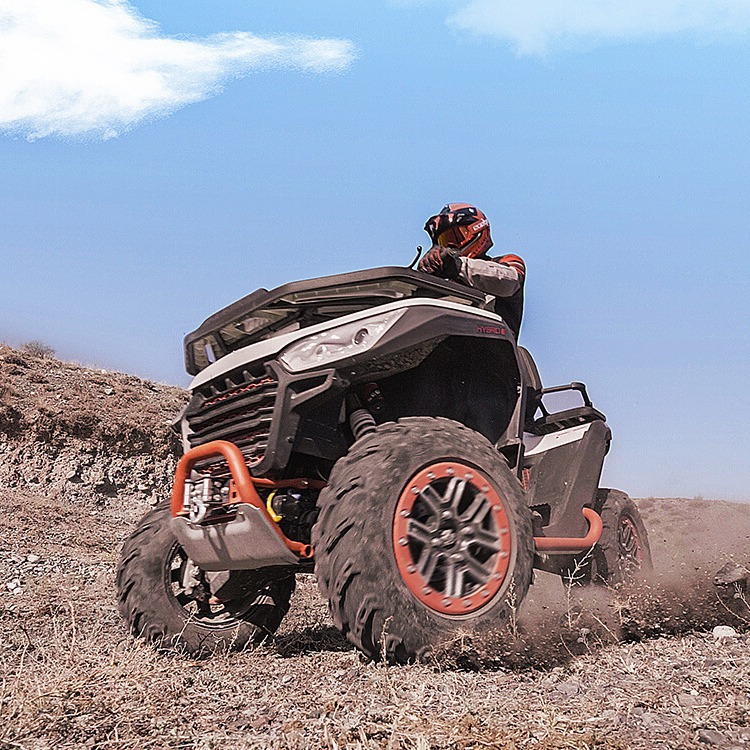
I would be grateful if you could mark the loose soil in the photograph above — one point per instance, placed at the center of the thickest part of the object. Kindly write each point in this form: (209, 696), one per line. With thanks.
(84, 453)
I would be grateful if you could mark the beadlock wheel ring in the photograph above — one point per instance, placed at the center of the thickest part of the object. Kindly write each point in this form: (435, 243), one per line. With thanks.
(451, 538)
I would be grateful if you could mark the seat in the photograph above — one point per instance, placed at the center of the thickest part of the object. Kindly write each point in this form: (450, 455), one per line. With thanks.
(531, 383)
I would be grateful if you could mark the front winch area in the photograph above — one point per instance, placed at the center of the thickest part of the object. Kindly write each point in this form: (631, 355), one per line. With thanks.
(206, 499)
(240, 522)
(209, 500)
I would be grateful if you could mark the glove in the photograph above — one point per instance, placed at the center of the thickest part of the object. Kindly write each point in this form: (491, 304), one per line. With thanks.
(440, 261)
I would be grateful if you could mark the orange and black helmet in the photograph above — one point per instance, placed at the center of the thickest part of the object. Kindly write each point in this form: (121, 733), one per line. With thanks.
(460, 226)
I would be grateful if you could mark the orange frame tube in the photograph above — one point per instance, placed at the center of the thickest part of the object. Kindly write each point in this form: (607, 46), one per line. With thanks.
(572, 544)
(243, 482)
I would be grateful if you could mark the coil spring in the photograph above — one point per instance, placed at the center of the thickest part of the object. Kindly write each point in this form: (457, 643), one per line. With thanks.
(362, 423)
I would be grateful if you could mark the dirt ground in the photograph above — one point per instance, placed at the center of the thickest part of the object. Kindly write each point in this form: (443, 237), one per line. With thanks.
(84, 453)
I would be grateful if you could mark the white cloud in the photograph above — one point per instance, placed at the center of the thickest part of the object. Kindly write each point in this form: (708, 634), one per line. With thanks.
(95, 68)
(539, 26)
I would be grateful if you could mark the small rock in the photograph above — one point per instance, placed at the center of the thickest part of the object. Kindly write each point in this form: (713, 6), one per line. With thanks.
(13, 584)
(568, 689)
(731, 573)
(711, 737)
(608, 716)
(33, 558)
(724, 633)
(109, 391)
(688, 701)
(654, 722)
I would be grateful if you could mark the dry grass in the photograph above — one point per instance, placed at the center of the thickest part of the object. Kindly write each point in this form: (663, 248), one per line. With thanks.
(71, 677)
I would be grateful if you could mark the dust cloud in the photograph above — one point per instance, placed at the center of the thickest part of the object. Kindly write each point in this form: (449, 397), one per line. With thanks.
(690, 540)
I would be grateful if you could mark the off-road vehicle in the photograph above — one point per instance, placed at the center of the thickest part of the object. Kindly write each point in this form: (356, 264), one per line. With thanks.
(384, 430)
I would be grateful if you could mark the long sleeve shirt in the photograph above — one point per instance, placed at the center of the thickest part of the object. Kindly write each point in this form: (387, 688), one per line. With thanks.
(501, 278)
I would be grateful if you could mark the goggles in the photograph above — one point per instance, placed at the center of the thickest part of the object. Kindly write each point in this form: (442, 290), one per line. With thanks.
(455, 237)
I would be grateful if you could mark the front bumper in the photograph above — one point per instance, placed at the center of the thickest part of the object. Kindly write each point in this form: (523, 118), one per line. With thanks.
(251, 539)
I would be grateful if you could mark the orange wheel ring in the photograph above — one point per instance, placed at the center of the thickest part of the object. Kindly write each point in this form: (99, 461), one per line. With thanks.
(451, 538)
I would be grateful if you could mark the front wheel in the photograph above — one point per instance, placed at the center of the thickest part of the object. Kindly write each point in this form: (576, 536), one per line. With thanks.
(423, 536)
(165, 598)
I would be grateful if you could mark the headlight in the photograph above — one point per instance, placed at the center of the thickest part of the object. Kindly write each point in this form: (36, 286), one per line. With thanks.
(338, 343)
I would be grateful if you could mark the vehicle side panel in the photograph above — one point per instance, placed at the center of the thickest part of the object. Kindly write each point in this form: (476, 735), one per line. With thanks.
(565, 477)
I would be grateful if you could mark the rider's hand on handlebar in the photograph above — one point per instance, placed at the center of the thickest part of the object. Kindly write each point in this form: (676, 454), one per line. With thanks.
(440, 261)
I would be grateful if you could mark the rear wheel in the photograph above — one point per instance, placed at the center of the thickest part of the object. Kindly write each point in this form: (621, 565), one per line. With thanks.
(622, 551)
(423, 536)
(167, 599)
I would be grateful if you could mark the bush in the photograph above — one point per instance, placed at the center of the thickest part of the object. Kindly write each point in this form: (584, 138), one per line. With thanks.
(37, 349)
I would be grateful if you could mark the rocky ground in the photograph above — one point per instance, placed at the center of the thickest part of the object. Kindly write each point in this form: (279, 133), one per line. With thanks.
(83, 453)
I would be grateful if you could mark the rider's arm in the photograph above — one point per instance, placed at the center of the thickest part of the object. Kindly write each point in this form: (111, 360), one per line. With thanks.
(500, 277)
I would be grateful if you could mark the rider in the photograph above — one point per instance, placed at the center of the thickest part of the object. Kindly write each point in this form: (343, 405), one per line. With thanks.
(460, 236)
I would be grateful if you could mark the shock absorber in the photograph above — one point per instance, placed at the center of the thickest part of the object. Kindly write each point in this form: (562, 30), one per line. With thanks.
(361, 422)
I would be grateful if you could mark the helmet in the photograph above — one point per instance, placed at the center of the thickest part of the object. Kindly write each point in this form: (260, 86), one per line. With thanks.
(460, 226)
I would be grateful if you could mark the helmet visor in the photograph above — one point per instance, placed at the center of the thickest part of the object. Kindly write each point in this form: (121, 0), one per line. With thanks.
(455, 237)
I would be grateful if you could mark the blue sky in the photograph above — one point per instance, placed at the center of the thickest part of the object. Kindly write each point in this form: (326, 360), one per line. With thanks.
(162, 159)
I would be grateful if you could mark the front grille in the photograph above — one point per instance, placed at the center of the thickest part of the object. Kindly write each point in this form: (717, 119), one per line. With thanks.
(238, 409)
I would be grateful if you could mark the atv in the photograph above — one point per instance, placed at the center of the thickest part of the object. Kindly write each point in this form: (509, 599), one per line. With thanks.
(385, 431)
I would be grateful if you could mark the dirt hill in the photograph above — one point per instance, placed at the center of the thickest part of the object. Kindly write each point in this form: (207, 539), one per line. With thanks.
(83, 453)
(72, 430)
